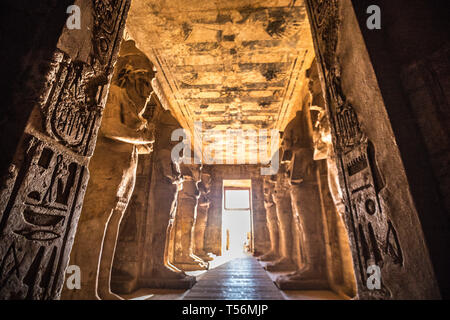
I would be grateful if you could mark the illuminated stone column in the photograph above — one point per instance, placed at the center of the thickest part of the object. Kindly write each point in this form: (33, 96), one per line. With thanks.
(282, 200)
(124, 134)
(272, 222)
(183, 256)
(202, 215)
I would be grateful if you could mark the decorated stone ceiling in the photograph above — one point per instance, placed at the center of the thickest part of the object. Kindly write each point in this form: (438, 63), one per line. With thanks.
(231, 65)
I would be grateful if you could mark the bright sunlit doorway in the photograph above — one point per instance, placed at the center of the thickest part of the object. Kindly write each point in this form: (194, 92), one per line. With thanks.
(236, 218)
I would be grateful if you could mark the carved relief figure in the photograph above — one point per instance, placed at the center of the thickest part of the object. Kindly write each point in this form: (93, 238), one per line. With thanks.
(373, 237)
(124, 134)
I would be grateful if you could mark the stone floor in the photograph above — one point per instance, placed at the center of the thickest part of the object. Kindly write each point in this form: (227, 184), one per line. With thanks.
(239, 279)
(305, 294)
(242, 278)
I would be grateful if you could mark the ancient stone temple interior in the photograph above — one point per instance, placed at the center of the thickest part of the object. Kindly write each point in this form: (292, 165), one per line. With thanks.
(240, 149)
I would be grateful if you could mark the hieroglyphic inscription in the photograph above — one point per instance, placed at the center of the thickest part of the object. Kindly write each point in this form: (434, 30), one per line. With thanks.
(36, 220)
(374, 238)
(42, 200)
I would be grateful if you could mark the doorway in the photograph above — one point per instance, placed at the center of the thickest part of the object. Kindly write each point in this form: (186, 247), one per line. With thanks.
(236, 218)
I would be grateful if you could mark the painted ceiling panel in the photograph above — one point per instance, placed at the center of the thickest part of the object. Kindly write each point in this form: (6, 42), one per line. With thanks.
(229, 64)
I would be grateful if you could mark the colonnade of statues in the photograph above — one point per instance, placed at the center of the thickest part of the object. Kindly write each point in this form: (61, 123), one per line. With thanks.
(176, 239)
(124, 134)
(293, 200)
(294, 215)
(179, 200)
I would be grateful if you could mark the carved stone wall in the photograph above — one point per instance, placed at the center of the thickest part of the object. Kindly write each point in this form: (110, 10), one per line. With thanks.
(380, 214)
(409, 55)
(340, 271)
(42, 196)
(26, 61)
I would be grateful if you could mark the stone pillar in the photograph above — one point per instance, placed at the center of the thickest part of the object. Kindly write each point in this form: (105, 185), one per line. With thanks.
(42, 194)
(282, 200)
(157, 271)
(382, 208)
(339, 259)
(272, 222)
(260, 241)
(123, 135)
(202, 214)
(183, 256)
(130, 243)
(129, 248)
(307, 207)
(213, 240)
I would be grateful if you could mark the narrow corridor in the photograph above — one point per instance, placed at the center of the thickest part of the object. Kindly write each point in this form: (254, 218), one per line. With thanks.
(239, 279)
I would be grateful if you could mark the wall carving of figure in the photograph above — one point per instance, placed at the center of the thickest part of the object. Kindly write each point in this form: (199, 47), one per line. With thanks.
(323, 150)
(272, 222)
(124, 134)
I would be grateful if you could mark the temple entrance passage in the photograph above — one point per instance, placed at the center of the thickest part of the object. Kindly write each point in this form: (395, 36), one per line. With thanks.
(239, 279)
(236, 218)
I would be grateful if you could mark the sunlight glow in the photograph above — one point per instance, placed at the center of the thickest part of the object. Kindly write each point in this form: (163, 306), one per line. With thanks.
(236, 231)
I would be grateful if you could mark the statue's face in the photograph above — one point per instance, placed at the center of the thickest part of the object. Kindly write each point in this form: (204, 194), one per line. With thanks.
(290, 143)
(287, 142)
(196, 173)
(139, 87)
(206, 180)
(135, 76)
(143, 83)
